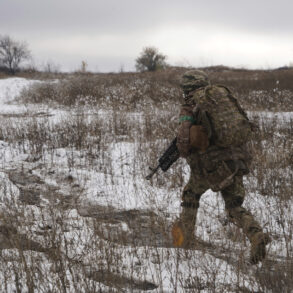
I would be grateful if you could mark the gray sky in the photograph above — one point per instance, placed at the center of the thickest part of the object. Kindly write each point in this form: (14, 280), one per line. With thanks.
(110, 34)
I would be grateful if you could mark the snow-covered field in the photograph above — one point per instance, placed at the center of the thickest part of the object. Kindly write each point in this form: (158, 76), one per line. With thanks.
(78, 219)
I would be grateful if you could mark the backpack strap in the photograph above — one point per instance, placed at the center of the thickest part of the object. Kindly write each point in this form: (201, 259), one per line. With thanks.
(202, 118)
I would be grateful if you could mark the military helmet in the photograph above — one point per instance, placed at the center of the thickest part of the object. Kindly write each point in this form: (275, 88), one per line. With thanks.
(193, 79)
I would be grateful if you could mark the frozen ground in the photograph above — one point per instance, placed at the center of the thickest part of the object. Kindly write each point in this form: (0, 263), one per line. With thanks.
(115, 208)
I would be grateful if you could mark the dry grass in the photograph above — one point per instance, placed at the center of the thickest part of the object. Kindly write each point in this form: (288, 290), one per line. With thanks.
(66, 251)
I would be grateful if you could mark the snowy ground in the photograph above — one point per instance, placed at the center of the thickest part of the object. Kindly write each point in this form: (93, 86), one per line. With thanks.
(110, 211)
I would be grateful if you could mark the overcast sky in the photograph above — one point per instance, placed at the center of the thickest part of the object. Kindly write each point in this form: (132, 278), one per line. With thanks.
(110, 34)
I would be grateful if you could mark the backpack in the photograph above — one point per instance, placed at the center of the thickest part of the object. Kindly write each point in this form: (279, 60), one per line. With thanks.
(229, 123)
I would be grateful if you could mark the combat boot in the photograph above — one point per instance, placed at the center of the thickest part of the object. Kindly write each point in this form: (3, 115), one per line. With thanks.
(258, 247)
(183, 229)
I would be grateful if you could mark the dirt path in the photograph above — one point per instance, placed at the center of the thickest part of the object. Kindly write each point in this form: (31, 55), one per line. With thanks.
(140, 227)
(33, 189)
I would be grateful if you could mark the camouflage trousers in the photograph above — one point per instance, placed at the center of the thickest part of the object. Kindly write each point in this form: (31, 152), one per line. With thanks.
(233, 196)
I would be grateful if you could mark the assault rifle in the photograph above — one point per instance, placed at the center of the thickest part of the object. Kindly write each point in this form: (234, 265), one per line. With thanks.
(169, 157)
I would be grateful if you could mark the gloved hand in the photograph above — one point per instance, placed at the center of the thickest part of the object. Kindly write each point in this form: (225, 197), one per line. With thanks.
(177, 234)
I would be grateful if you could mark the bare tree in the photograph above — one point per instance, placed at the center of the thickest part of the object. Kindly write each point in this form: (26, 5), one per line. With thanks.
(12, 53)
(150, 60)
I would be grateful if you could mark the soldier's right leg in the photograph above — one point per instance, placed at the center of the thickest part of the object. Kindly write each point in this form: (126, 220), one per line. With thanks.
(234, 197)
(183, 229)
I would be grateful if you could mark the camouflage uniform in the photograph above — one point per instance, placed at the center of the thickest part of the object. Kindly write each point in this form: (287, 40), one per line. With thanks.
(217, 168)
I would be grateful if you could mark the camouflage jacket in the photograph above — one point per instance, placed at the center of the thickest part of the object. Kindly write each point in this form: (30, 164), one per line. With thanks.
(238, 158)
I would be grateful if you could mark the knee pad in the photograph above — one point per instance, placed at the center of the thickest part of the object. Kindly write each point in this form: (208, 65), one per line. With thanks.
(190, 196)
(235, 202)
(193, 205)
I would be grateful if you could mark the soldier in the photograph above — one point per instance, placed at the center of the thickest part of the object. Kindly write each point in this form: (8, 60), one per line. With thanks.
(212, 137)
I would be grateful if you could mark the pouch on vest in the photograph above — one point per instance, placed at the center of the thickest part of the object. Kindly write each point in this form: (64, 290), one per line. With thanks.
(198, 138)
